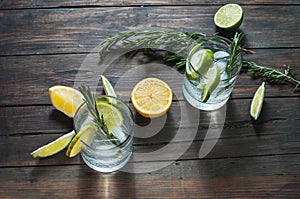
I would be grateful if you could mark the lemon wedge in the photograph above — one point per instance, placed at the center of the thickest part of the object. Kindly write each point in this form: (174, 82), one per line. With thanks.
(65, 99)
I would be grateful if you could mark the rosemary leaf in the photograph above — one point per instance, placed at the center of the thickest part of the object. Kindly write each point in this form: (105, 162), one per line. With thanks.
(98, 118)
(273, 75)
(235, 52)
(176, 41)
(179, 43)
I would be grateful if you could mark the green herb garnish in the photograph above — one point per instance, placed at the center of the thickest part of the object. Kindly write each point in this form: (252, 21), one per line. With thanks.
(180, 42)
(235, 52)
(98, 119)
(176, 41)
(273, 75)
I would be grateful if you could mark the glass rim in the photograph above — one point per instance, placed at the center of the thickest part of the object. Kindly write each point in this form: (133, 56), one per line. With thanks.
(221, 40)
(129, 135)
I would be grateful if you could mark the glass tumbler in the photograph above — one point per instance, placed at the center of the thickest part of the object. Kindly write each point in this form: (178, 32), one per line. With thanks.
(194, 82)
(107, 153)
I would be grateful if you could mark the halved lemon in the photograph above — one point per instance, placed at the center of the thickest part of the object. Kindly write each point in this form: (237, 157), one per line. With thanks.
(54, 146)
(65, 99)
(151, 97)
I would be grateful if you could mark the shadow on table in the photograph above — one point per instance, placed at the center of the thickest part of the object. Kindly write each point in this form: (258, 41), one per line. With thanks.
(94, 184)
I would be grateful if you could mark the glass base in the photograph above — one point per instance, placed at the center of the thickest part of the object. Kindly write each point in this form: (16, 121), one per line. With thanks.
(195, 102)
(104, 168)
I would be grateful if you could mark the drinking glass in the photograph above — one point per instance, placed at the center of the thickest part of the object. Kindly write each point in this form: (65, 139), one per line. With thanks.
(192, 88)
(107, 153)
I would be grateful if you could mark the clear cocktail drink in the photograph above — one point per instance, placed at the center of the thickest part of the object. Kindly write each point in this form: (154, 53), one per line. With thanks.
(102, 152)
(208, 82)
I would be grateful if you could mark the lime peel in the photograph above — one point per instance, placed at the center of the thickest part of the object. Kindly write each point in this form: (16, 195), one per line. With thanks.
(54, 146)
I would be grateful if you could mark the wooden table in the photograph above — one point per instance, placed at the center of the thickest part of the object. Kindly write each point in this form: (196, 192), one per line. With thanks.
(43, 43)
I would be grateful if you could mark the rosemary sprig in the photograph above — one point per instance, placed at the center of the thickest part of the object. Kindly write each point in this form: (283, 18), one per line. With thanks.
(235, 52)
(98, 119)
(176, 41)
(273, 75)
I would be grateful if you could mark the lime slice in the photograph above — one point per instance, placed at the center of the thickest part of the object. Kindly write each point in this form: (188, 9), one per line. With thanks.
(190, 74)
(257, 101)
(54, 146)
(108, 89)
(111, 115)
(229, 16)
(212, 79)
(86, 134)
(202, 60)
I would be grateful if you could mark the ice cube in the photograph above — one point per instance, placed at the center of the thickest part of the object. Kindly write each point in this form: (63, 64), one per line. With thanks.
(221, 55)
(221, 64)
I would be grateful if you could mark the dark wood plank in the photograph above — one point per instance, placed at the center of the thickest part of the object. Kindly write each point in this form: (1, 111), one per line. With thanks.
(23, 120)
(275, 133)
(43, 31)
(16, 149)
(253, 177)
(27, 78)
(6, 4)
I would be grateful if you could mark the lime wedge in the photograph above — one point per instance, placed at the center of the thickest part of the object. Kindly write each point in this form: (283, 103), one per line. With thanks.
(190, 73)
(86, 134)
(108, 89)
(111, 115)
(229, 16)
(54, 146)
(211, 79)
(257, 101)
(202, 60)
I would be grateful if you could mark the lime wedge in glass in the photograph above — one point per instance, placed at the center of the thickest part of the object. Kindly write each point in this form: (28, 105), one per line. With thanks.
(202, 60)
(229, 16)
(111, 115)
(257, 101)
(86, 134)
(54, 146)
(190, 73)
(211, 79)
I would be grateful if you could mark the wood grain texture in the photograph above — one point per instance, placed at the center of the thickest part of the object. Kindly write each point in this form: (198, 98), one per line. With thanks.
(43, 43)
(23, 120)
(252, 177)
(44, 31)
(275, 133)
(27, 78)
(19, 4)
